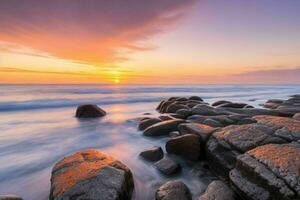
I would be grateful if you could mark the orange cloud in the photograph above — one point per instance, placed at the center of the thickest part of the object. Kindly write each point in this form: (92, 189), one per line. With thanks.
(91, 31)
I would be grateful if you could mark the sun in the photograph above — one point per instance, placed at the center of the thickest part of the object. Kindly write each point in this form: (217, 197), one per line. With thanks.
(117, 81)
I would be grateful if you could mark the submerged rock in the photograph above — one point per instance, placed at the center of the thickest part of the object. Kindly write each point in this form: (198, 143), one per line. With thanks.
(173, 190)
(276, 168)
(163, 128)
(167, 166)
(152, 154)
(89, 111)
(195, 98)
(218, 190)
(187, 146)
(10, 197)
(91, 174)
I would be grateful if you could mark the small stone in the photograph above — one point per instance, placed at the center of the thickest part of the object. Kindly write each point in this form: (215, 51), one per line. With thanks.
(152, 154)
(202, 130)
(184, 112)
(217, 103)
(173, 190)
(174, 134)
(167, 166)
(89, 111)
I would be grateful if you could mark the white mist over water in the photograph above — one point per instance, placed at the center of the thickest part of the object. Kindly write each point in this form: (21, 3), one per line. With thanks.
(38, 128)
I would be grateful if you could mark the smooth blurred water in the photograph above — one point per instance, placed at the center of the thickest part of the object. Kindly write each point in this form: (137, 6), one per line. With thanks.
(38, 127)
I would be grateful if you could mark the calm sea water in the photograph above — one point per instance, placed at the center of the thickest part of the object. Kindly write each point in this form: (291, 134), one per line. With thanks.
(37, 128)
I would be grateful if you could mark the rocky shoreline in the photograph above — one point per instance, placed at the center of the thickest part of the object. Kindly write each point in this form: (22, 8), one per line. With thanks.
(255, 153)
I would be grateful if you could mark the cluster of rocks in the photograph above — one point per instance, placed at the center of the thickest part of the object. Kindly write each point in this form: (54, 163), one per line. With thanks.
(255, 151)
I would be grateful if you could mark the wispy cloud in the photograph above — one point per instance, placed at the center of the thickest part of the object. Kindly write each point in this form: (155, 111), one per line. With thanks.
(90, 31)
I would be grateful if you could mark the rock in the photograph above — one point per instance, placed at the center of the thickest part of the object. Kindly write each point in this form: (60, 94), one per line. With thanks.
(218, 190)
(196, 98)
(232, 105)
(148, 122)
(152, 154)
(163, 128)
(91, 174)
(212, 123)
(174, 134)
(187, 146)
(224, 120)
(217, 103)
(165, 117)
(177, 116)
(173, 190)
(227, 143)
(89, 111)
(172, 108)
(203, 110)
(296, 116)
(10, 197)
(246, 121)
(276, 168)
(286, 128)
(167, 166)
(184, 112)
(252, 111)
(202, 130)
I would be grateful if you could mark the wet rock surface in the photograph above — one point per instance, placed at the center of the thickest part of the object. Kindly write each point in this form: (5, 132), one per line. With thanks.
(91, 174)
(163, 128)
(152, 154)
(188, 146)
(89, 111)
(218, 190)
(173, 190)
(167, 166)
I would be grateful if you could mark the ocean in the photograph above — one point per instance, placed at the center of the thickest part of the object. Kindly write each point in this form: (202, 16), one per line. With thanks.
(38, 128)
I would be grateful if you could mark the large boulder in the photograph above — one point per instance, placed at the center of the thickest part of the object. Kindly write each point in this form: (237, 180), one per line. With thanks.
(167, 166)
(269, 172)
(173, 190)
(296, 116)
(10, 197)
(187, 146)
(89, 111)
(163, 128)
(204, 110)
(218, 190)
(152, 154)
(233, 105)
(226, 144)
(91, 174)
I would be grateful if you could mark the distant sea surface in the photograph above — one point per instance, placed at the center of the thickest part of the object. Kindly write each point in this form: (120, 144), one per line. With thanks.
(38, 128)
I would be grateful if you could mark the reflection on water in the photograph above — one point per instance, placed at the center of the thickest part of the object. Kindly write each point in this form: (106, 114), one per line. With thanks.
(32, 139)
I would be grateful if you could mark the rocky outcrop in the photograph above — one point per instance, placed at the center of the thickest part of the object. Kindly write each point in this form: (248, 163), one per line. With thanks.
(218, 190)
(91, 174)
(291, 105)
(89, 111)
(226, 144)
(167, 166)
(188, 146)
(10, 197)
(269, 172)
(152, 154)
(173, 190)
(163, 128)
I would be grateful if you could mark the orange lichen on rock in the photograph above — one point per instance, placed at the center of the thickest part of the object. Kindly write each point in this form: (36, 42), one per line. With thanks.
(290, 124)
(285, 156)
(78, 167)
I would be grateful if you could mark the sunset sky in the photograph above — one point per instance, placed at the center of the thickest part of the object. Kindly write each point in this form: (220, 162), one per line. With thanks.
(149, 41)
